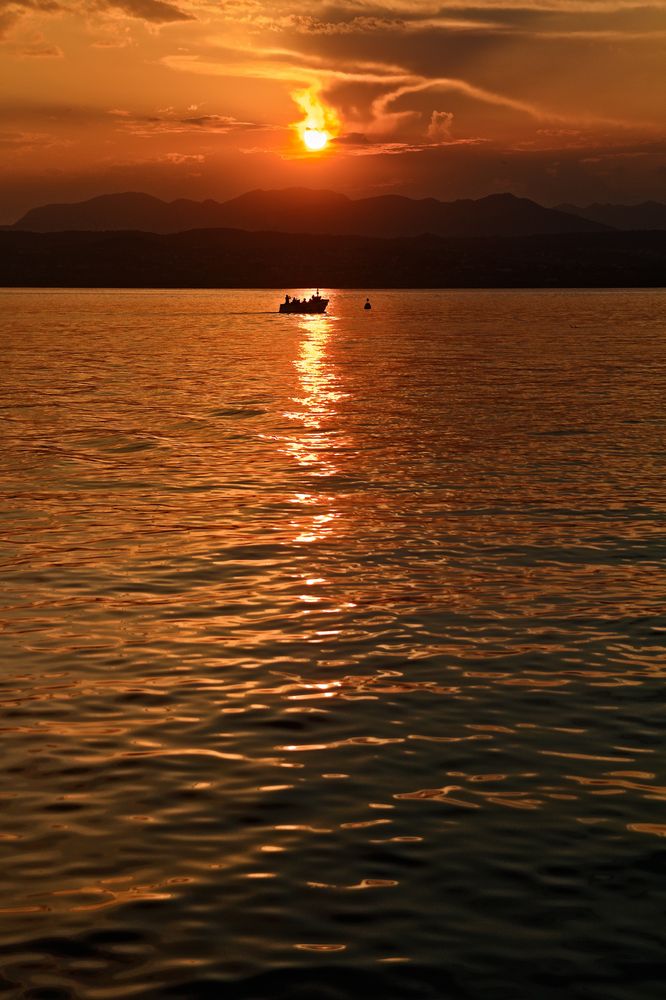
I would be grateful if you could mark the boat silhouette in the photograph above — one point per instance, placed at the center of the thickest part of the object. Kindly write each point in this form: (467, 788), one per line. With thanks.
(315, 304)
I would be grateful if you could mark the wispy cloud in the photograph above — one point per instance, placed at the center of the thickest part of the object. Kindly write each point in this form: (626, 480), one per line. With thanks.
(22, 142)
(36, 50)
(178, 159)
(308, 24)
(285, 65)
(385, 119)
(170, 123)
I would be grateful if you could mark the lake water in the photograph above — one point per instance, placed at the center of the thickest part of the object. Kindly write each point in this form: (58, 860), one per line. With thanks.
(333, 647)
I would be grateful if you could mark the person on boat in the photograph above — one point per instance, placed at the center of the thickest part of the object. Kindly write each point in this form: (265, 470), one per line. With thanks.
(286, 300)
(367, 304)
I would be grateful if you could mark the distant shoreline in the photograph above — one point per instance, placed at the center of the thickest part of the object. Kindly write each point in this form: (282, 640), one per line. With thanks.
(229, 258)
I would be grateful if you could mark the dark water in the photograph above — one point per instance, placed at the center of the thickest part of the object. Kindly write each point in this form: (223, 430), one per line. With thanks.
(333, 648)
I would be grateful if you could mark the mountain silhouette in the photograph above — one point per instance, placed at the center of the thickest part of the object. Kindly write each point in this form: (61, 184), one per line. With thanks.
(647, 215)
(301, 210)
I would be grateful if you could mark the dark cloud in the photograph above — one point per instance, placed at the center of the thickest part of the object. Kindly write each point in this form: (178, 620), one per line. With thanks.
(157, 11)
(7, 21)
(44, 6)
(352, 139)
(216, 122)
(45, 115)
(172, 123)
(11, 11)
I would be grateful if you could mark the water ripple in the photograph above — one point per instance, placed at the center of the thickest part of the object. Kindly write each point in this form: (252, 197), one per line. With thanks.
(333, 647)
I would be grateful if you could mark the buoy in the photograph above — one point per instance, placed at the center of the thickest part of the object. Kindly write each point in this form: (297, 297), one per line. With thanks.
(367, 304)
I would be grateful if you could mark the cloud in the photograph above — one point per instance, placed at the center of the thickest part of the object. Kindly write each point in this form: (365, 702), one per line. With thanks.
(41, 6)
(29, 142)
(352, 139)
(385, 120)
(179, 158)
(7, 21)
(440, 125)
(39, 50)
(358, 144)
(297, 68)
(14, 140)
(156, 11)
(626, 155)
(171, 123)
(415, 7)
(12, 11)
(307, 24)
(351, 84)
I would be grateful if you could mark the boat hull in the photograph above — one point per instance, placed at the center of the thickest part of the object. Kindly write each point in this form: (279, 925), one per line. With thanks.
(304, 307)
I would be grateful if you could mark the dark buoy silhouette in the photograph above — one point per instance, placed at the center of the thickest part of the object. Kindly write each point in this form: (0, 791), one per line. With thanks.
(367, 304)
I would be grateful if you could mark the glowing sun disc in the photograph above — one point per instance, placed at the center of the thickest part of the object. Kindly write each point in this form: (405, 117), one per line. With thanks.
(315, 138)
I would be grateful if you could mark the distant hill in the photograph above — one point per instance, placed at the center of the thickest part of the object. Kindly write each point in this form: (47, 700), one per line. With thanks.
(297, 210)
(647, 215)
(227, 258)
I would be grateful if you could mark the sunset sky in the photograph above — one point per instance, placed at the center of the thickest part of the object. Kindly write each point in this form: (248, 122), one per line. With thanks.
(558, 100)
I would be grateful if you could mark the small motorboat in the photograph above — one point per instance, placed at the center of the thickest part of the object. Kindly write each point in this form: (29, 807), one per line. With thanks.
(315, 304)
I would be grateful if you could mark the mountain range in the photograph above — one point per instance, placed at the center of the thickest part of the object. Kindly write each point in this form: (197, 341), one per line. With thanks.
(301, 210)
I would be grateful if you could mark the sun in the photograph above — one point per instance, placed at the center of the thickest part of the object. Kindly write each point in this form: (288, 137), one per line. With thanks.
(315, 139)
(319, 125)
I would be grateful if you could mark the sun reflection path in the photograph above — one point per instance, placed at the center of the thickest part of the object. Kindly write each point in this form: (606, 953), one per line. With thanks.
(318, 383)
(314, 445)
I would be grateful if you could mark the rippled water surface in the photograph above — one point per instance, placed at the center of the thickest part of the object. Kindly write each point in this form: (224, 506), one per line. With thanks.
(333, 648)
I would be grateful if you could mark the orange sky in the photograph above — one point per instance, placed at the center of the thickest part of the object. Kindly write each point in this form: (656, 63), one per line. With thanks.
(552, 99)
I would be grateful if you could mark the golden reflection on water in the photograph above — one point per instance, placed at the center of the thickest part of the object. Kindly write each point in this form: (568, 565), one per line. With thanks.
(314, 445)
(315, 411)
(318, 379)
